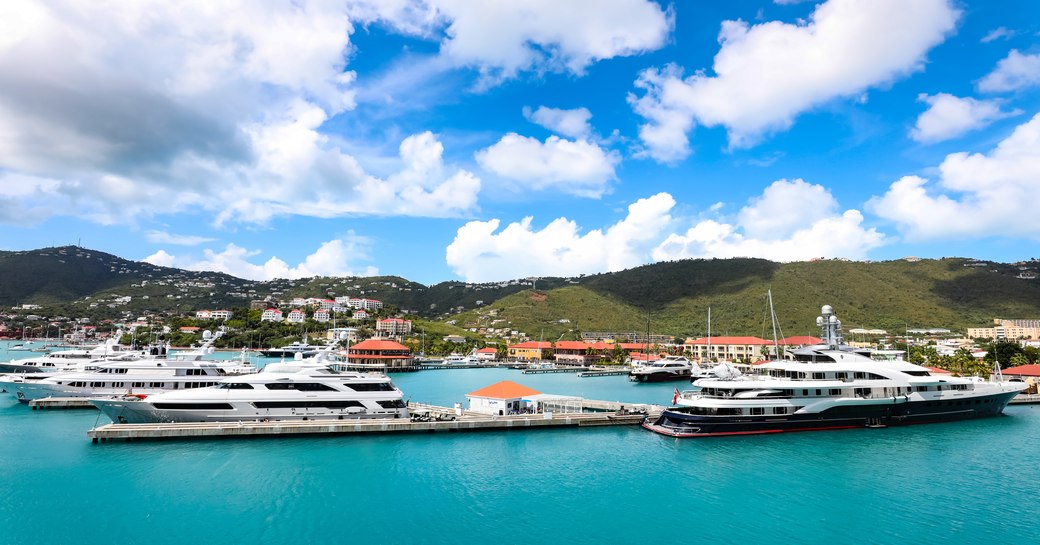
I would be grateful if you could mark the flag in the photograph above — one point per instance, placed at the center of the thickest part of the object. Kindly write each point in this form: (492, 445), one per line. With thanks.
(675, 398)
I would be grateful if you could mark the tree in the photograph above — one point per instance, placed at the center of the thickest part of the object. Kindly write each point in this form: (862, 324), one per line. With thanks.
(1002, 352)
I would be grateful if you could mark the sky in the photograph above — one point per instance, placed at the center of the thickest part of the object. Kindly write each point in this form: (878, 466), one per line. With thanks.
(484, 141)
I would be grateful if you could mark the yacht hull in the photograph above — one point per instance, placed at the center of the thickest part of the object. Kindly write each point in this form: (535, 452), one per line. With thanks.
(142, 412)
(677, 423)
(658, 377)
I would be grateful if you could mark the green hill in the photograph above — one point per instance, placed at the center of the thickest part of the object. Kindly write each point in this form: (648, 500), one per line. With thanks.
(951, 293)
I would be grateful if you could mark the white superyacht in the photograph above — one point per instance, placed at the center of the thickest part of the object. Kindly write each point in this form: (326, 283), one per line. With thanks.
(829, 386)
(312, 389)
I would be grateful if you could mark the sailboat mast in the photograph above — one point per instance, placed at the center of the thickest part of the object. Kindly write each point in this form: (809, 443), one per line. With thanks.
(772, 318)
(708, 355)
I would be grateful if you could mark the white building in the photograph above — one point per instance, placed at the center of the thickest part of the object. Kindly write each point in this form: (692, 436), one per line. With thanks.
(296, 316)
(271, 315)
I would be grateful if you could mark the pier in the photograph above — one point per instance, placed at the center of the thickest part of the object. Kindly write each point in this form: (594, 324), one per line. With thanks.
(540, 370)
(436, 419)
(1025, 399)
(603, 372)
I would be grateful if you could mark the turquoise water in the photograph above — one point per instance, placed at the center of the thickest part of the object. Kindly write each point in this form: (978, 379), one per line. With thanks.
(966, 482)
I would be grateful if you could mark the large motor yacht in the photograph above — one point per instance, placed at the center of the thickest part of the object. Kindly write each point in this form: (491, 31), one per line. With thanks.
(665, 369)
(829, 386)
(184, 370)
(297, 390)
(68, 360)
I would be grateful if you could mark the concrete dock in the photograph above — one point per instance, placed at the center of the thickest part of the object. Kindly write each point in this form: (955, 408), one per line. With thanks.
(1023, 399)
(538, 371)
(466, 422)
(603, 372)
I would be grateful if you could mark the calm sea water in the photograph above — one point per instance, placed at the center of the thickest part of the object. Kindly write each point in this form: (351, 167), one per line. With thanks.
(967, 482)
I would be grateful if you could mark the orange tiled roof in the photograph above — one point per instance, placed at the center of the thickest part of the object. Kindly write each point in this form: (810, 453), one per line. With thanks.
(375, 344)
(1023, 370)
(506, 389)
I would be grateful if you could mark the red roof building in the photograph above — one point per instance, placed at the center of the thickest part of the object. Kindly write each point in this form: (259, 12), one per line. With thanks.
(501, 398)
(379, 352)
(727, 348)
(531, 351)
(1022, 371)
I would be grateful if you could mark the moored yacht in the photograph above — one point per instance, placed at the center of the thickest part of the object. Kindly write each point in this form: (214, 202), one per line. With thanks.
(829, 386)
(665, 369)
(185, 370)
(68, 360)
(291, 350)
(298, 390)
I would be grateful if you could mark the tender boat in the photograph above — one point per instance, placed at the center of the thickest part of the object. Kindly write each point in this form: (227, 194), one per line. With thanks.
(665, 369)
(825, 387)
(457, 359)
(299, 390)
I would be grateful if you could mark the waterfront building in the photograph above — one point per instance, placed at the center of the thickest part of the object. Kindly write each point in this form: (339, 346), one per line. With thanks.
(580, 352)
(1030, 374)
(486, 354)
(380, 352)
(531, 351)
(501, 398)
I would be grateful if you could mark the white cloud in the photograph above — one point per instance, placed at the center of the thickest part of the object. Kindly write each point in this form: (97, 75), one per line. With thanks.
(574, 167)
(161, 259)
(767, 74)
(570, 123)
(791, 221)
(161, 237)
(1014, 72)
(332, 258)
(999, 33)
(157, 108)
(479, 254)
(502, 38)
(948, 116)
(976, 195)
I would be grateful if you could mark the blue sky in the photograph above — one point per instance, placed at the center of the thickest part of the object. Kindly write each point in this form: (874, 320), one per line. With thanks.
(485, 141)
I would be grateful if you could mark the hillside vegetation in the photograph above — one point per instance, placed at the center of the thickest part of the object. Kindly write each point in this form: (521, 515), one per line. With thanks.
(674, 297)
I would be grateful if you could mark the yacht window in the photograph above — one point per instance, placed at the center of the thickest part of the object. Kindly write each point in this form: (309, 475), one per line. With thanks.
(841, 375)
(313, 387)
(392, 404)
(370, 386)
(835, 391)
(819, 392)
(194, 406)
(805, 392)
(819, 376)
(779, 410)
(859, 374)
(307, 404)
(235, 386)
(757, 410)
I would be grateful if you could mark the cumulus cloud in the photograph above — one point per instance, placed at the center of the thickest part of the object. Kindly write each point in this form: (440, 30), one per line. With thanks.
(767, 74)
(503, 38)
(1014, 72)
(159, 108)
(790, 221)
(482, 253)
(332, 258)
(949, 116)
(576, 167)
(976, 194)
(570, 123)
